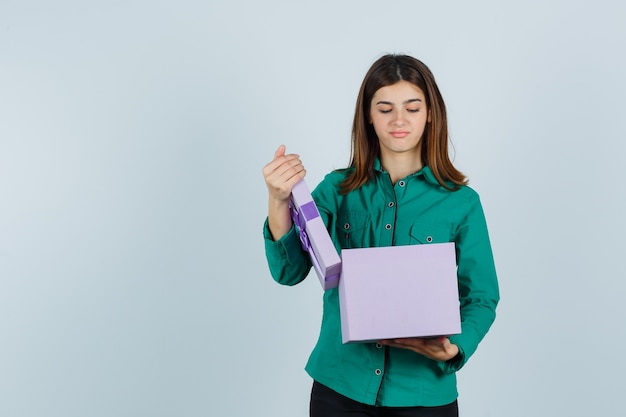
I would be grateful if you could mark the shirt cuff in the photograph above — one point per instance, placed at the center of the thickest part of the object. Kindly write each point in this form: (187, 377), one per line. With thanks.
(456, 363)
(288, 247)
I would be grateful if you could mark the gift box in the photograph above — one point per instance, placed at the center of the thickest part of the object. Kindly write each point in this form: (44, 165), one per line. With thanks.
(314, 236)
(399, 291)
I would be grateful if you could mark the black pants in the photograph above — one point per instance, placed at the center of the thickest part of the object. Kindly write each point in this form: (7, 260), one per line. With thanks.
(327, 403)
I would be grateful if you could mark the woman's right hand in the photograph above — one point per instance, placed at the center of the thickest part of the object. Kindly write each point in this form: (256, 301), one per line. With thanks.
(281, 174)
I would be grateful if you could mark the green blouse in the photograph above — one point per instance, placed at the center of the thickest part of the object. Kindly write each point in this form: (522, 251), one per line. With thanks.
(416, 210)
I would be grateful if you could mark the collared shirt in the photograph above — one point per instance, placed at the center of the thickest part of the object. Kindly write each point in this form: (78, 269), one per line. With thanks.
(414, 210)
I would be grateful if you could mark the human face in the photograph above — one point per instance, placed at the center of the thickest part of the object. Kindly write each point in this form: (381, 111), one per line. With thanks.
(399, 115)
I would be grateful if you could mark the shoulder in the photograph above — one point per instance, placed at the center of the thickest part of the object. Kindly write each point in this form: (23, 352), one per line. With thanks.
(327, 191)
(468, 201)
(333, 179)
(464, 198)
(466, 192)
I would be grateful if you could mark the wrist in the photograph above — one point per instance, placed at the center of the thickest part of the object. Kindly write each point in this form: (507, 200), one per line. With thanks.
(455, 353)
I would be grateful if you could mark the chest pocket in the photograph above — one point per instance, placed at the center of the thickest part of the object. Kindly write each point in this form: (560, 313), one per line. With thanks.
(352, 229)
(424, 233)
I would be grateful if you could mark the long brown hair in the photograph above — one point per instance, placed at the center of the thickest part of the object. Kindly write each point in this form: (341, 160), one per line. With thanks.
(386, 71)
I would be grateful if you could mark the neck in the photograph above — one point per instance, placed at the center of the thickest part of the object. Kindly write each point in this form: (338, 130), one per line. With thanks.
(400, 166)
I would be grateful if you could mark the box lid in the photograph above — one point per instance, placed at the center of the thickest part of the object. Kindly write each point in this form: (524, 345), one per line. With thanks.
(314, 236)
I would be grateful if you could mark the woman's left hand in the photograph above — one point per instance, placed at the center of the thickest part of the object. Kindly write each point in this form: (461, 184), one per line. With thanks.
(439, 348)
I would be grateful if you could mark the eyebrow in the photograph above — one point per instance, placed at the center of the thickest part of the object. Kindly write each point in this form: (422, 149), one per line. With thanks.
(405, 102)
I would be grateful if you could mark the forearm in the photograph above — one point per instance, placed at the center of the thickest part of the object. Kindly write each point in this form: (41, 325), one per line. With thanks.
(287, 262)
(278, 218)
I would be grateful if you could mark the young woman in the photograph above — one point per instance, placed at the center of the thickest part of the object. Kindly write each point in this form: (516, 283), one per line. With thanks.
(400, 189)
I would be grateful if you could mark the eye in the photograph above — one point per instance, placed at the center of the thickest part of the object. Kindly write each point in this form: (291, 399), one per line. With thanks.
(384, 111)
(413, 110)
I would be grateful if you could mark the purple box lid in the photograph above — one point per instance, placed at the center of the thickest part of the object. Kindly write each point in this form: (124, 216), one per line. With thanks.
(399, 291)
(314, 236)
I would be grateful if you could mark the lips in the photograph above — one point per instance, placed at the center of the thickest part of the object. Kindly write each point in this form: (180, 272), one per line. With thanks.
(399, 134)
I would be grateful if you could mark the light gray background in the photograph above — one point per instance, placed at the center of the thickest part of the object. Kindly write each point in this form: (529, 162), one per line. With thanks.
(132, 136)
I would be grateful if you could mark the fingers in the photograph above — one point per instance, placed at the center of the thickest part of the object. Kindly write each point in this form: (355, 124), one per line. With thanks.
(284, 168)
(282, 173)
(407, 343)
(281, 162)
(437, 348)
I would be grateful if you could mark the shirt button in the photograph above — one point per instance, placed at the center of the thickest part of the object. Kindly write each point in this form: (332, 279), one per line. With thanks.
(401, 183)
(388, 226)
(378, 372)
(429, 239)
(378, 346)
(390, 204)
(346, 226)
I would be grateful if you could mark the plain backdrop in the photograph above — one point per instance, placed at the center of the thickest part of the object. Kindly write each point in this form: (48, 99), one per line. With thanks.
(133, 280)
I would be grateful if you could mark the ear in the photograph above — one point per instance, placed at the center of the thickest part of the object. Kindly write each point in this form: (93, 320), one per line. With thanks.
(429, 113)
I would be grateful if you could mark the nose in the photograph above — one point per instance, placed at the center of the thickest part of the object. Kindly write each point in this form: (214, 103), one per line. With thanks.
(399, 120)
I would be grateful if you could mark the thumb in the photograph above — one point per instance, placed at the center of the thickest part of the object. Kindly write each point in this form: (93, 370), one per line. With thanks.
(280, 151)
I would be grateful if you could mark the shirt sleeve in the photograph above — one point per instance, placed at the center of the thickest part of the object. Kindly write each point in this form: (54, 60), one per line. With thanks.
(289, 264)
(478, 285)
